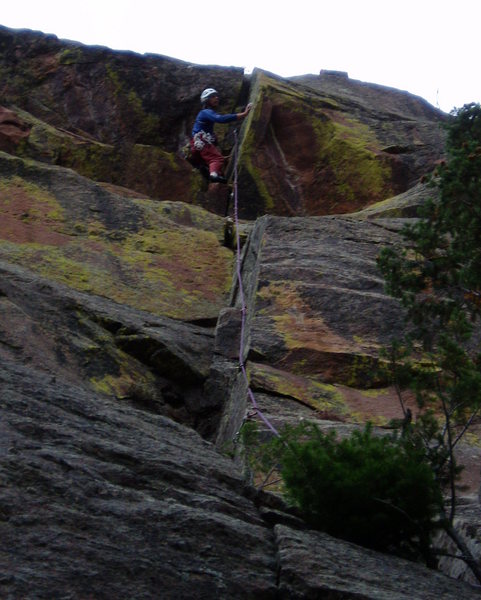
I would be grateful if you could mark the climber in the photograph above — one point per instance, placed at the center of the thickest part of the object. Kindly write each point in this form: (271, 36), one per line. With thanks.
(203, 143)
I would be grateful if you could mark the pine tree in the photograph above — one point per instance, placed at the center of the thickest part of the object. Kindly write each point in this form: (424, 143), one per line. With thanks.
(437, 278)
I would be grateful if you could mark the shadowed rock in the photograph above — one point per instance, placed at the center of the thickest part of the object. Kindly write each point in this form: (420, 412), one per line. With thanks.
(342, 570)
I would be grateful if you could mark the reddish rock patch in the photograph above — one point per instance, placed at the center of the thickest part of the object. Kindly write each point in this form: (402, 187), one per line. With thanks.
(25, 219)
(13, 230)
(12, 129)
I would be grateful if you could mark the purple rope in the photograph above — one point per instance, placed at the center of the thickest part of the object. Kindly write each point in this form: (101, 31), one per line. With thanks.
(242, 300)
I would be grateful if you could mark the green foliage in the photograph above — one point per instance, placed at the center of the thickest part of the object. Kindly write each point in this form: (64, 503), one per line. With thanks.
(437, 278)
(374, 491)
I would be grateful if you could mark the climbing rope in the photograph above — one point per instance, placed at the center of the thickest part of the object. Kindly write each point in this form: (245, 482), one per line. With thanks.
(257, 410)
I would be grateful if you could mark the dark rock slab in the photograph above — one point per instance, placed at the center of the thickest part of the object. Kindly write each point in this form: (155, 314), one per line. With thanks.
(319, 298)
(100, 500)
(153, 363)
(313, 565)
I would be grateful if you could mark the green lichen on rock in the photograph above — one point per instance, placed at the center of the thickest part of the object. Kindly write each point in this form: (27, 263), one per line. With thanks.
(70, 56)
(350, 151)
(303, 154)
(131, 107)
(140, 166)
(25, 208)
(255, 176)
(324, 398)
(153, 264)
(90, 158)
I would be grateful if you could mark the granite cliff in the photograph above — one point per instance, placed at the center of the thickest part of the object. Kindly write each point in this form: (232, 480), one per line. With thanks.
(119, 323)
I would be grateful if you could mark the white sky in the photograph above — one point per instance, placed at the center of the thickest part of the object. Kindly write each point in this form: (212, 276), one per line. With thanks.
(431, 48)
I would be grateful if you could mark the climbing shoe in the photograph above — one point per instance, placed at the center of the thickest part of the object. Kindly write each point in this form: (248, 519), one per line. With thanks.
(215, 178)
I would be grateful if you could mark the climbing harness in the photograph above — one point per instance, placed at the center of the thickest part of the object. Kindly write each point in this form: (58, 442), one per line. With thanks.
(201, 138)
(256, 408)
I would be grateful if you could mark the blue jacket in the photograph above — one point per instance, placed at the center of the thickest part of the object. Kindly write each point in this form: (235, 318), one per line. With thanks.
(207, 118)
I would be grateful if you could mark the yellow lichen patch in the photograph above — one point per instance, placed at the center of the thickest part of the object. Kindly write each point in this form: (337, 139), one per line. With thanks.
(119, 385)
(380, 406)
(30, 214)
(176, 271)
(350, 150)
(120, 374)
(308, 344)
(256, 176)
(295, 322)
(323, 398)
(192, 260)
(473, 439)
(137, 256)
(187, 215)
(29, 202)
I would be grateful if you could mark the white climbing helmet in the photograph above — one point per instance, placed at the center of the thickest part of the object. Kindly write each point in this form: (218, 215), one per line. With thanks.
(207, 93)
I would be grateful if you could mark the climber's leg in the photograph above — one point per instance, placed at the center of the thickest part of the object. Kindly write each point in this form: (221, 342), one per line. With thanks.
(213, 158)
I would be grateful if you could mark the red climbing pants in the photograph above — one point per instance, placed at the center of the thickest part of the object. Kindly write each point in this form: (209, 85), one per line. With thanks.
(210, 155)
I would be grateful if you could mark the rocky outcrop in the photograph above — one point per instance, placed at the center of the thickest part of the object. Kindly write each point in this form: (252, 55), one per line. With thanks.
(405, 205)
(313, 148)
(152, 363)
(102, 500)
(112, 116)
(12, 130)
(337, 565)
(104, 496)
(317, 318)
(165, 258)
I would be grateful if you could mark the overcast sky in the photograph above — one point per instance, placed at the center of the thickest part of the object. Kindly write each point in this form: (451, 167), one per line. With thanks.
(431, 48)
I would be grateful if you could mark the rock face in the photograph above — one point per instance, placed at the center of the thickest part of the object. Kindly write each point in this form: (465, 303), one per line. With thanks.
(166, 258)
(12, 130)
(102, 500)
(120, 390)
(112, 116)
(313, 146)
(317, 317)
(336, 565)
